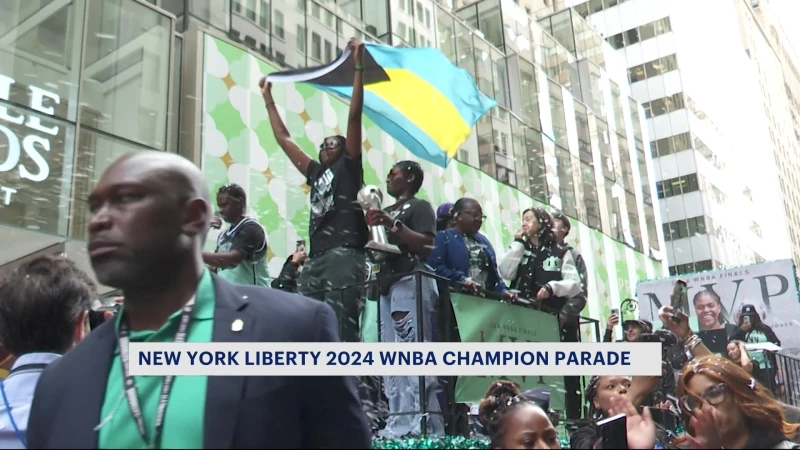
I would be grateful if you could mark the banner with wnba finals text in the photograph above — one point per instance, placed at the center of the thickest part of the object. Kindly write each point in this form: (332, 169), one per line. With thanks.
(770, 287)
(483, 320)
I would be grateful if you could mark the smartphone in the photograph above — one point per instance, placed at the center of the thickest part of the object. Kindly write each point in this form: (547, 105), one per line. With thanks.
(615, 312)
(679, 299)
(614, 432)
(301, 245)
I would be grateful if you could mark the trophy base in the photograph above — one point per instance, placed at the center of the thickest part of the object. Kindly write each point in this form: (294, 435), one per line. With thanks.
(379, 251)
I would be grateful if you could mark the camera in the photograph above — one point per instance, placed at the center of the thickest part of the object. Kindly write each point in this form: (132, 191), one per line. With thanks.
(671, 351)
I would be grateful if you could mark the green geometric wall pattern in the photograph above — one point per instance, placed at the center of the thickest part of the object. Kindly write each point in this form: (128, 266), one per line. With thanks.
(238, 147)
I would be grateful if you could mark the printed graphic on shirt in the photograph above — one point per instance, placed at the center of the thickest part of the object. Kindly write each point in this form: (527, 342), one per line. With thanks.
(758, 337)
(552, 264)
(478, 261)
(321, 198)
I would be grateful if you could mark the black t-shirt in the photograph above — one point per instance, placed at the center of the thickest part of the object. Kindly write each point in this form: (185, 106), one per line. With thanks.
(417, 215)
(250, 239)
(337, 220)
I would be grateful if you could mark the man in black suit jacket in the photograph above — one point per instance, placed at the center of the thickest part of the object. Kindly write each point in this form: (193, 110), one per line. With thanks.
(150, 215)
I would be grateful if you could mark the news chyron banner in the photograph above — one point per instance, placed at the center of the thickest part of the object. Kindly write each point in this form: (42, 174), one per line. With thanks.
(483, 320)
(771, 287)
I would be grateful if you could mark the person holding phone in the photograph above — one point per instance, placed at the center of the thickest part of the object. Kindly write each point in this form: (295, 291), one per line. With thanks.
(287, 279)
(540, 270)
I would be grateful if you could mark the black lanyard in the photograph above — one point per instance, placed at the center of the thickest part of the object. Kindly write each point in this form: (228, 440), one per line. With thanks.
(130, 383)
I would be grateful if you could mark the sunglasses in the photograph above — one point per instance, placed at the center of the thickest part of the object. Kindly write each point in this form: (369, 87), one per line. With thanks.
(329, 144)
(713, 396)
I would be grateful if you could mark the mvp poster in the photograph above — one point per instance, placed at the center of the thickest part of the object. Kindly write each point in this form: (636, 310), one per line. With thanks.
(770, 287)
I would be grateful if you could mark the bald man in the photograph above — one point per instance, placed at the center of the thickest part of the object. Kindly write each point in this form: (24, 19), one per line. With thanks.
(150, 213)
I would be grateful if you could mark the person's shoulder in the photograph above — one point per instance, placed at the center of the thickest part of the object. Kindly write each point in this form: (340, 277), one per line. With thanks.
(420, 203)
(252, 225)
(63, 372)
(297, 312)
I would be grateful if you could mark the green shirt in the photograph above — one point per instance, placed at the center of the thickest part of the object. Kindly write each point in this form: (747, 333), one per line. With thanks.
(183, 420)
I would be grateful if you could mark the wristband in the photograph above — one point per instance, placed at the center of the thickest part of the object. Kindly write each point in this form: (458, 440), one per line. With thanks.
(268, 104)
(396, 226)
(359, 68)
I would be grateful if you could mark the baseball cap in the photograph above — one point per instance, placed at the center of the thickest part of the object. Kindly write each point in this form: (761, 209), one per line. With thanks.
(749, 310)
(444, 209)
(645, 325)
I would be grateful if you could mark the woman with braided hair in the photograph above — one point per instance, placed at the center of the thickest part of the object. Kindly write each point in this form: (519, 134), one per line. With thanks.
(514, 422)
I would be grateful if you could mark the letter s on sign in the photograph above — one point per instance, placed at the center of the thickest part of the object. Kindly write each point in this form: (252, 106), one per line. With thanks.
(13, 150)
(30, 150)
(29, 145)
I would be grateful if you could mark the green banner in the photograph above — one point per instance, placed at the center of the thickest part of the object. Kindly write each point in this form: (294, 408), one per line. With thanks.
(369, 322)
(482, 320)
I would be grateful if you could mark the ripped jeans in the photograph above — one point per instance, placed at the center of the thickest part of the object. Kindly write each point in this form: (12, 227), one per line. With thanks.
(402, 392)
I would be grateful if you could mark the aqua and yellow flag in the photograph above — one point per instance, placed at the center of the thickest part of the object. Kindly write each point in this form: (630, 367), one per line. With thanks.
(416, 95)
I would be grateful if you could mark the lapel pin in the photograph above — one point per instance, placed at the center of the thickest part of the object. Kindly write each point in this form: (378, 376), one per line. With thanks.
(237, 325)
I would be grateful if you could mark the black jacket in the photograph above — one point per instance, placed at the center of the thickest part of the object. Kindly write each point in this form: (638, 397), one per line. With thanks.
(240, 412)
(287, 279)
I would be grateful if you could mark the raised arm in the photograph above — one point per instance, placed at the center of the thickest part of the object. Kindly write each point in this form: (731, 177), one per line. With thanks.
(353, 147)
(298, 157)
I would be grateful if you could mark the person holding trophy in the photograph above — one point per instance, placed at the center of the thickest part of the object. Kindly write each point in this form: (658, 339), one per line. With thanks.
(337, 227)
(412, 225)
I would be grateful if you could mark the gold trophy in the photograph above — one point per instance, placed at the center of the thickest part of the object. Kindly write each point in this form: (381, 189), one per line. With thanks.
(378, 247)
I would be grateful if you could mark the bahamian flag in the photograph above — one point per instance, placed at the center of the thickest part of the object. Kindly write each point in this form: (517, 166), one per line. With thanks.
(416, 95)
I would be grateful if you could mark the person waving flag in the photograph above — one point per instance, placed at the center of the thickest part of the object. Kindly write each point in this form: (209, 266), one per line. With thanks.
(416, 95)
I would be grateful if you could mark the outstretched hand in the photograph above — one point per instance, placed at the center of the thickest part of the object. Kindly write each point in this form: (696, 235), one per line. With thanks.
(641, 428)
(357, 47)
(266, 89)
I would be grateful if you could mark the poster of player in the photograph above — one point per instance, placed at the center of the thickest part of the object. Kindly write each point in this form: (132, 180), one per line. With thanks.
(757, 295)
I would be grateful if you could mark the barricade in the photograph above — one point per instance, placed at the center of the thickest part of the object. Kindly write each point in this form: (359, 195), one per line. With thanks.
(453, 302)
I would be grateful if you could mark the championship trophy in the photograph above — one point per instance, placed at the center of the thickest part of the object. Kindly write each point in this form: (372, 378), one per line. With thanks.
(379, 248)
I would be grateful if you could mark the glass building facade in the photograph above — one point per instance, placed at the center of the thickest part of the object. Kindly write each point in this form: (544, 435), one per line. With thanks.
(84, 81)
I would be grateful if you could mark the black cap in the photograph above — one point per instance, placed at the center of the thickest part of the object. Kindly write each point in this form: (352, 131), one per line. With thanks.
(749, 310)
(540, 396)
(645, 325)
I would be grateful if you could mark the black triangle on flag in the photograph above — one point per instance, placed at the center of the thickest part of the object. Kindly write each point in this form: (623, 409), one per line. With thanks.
(337, 73)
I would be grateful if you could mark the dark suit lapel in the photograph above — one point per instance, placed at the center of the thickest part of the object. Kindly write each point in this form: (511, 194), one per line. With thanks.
(223, 394)
(89, 393)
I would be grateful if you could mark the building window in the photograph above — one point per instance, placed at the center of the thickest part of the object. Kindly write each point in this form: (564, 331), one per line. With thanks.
(636, 73)
(681, 229)
(301, 39)
(263, 17)
(316, 46)
(672, 144)
(661, 106)
(677, 186)
(237, 6)
(595, 6)
(328, 51)
(631, 36)
(617, 41)
(566, 182)
(582, 10)
(653, 68)
(640, 34)
(277, 25)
